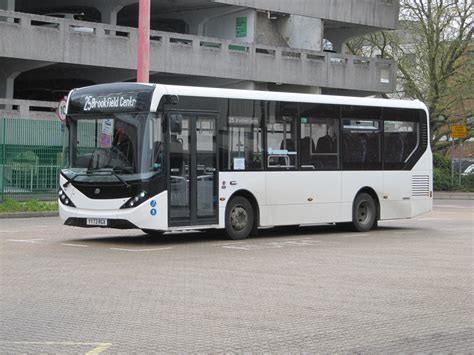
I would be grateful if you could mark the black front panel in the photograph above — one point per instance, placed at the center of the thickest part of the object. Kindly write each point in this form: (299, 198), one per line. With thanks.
(107, 190)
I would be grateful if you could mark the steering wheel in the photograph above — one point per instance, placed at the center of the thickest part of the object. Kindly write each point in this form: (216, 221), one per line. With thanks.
(115, 150)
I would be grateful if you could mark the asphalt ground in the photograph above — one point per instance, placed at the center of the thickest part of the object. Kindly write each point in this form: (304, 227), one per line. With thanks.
(405, 287)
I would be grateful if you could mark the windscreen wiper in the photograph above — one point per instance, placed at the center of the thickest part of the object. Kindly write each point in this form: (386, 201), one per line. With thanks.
(91, 172)
(70, 180)
(113, 172)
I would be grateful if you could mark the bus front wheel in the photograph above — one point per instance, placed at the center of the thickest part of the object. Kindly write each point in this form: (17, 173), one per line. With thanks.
(364, 213)
(239, 218)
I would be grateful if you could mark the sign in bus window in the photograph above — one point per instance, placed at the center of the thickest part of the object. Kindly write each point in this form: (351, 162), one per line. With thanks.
(242, 145)
(281, 139)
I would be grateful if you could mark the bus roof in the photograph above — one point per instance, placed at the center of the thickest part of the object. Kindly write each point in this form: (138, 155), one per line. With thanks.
(288, 97)
(161, 89)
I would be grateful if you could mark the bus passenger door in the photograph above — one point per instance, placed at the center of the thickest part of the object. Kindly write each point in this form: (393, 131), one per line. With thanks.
(192, 169)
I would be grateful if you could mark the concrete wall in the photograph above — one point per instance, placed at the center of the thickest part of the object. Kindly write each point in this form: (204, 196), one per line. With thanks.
(376, 13)
(294, 31)
(27, 109)
(225, 26)
(302, 32)
(267, 31)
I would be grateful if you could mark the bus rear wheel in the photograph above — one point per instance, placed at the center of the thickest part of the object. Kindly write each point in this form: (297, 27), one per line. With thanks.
(239, 218)
(364, 213)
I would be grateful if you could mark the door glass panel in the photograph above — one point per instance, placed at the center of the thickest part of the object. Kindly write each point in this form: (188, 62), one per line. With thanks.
(180, 207)
(193, 173)
(206, 172)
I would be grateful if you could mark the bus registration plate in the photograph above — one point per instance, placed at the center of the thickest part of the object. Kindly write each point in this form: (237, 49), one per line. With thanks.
(97, 222)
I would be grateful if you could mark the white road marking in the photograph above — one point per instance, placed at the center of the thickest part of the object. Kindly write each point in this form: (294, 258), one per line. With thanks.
(104, 235)
(75, 245)
(456, 229)
(458, 207)
(99, 347)
(16, 231)
(430, 219)
(275, 245)
(140, 250)
(25, 240)
(227, 243)
(355, 235)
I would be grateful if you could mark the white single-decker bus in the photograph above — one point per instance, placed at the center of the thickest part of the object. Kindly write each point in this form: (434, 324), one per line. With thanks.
(164, 158)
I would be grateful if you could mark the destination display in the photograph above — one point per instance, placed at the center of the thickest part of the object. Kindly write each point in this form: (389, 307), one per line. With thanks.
(120, 97)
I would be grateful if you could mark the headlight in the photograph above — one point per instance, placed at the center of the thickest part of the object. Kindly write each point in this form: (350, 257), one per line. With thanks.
(64, 199)
(136, 201)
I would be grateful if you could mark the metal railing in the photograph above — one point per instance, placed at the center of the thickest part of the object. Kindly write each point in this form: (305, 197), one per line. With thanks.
(30, 158)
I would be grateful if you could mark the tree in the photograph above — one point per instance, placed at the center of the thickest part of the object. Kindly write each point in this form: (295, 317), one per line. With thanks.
(434, 52)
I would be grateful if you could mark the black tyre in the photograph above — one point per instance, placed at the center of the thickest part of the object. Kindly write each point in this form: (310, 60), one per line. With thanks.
(364, 213)
(239, 218)
(153, 233)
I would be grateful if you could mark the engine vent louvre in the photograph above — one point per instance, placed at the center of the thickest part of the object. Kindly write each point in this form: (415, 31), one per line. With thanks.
(420, 185)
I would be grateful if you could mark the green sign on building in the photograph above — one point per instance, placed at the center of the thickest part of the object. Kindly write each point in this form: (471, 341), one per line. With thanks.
(241, 27)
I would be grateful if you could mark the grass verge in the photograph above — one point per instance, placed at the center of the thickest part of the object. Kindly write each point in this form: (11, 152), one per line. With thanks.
(12, 206)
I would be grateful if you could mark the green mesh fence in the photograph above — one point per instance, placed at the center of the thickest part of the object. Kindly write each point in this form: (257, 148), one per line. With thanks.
(30, 159)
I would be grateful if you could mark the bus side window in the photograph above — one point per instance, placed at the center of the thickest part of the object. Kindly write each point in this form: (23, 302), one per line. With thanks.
(401, 137)
(282, 149)
(241, 144)
(362, 138)
(319, 124)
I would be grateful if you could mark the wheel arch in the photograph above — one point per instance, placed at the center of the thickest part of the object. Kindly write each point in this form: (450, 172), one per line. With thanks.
(253, 201)
(373, 194)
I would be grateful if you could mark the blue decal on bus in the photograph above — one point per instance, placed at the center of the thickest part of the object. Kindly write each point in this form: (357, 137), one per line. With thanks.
(153, 212)
(153, 203)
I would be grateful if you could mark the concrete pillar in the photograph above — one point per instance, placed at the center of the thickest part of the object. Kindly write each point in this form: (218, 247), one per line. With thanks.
(8, 5)
(7, 86)
(109, 13)
(9, 70)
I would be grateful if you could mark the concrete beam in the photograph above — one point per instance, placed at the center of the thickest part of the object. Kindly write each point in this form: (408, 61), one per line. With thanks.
(10, 69)
(363, 12)
(339, 36)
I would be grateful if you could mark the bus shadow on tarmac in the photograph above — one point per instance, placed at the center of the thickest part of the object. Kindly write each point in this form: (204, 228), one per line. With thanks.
(218, 235)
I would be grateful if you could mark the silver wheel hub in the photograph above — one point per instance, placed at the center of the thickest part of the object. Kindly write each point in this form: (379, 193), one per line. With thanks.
(239, 218)
(364, 213)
